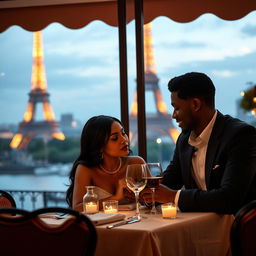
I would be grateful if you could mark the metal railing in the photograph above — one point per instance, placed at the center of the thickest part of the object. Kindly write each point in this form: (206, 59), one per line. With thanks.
(31, 200)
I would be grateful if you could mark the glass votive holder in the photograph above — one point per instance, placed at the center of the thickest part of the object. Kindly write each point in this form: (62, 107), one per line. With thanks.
(110, 206)
(169, 210)
(90, 201)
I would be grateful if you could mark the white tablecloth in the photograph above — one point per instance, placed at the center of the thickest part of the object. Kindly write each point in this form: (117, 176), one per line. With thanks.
(190, 234)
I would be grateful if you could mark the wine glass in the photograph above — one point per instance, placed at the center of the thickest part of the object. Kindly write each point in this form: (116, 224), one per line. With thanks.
(135, 180)
(154, 177)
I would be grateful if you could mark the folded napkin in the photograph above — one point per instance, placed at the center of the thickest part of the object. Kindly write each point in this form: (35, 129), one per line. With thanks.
(104, 218)
(126, 207)
(102, 194)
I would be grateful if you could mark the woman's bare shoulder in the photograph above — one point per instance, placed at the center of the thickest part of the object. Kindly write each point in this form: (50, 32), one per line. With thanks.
(135, 160)
(82, 170)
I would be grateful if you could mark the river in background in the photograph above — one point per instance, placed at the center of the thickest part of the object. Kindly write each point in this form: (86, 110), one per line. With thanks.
(24, 182)
(48, 178)
(47, 182)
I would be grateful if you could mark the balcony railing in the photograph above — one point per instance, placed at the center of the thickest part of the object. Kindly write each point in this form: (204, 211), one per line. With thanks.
(31, 200)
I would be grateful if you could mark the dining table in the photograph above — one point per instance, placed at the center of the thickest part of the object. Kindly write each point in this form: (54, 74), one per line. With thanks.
(190, 233)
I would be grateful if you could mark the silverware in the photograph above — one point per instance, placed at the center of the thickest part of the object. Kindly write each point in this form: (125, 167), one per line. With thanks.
(124, 222)
(61, 216)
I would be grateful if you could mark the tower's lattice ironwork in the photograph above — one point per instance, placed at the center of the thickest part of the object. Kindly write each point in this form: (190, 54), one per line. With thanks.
(160, 123)
(30, 127)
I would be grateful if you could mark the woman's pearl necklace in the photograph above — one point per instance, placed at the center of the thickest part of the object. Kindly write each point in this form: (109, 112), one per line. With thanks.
(112, 172)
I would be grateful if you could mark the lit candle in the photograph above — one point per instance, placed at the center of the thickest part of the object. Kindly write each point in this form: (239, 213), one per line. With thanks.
(110, 209)
(110, 206)
(91, 207)
(169, 211)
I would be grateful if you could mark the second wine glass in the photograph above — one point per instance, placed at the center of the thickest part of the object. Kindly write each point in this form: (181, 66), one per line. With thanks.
(154, 176)
(135, 180)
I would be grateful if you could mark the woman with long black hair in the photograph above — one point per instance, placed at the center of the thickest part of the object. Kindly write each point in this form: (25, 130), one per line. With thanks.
(104, 156)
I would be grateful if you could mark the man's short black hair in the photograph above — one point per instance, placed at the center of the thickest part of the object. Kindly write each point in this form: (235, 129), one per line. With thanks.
(193, 85)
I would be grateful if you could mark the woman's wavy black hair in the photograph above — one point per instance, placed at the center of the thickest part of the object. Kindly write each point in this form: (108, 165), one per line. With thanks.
(95, 135)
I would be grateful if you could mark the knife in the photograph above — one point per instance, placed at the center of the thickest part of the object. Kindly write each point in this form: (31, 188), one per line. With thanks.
(124, 223)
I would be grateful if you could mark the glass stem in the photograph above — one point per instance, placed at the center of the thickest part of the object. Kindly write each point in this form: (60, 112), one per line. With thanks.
(137, 203)
(153, 210)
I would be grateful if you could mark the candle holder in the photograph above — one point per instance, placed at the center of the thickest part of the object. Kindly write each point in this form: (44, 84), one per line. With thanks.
(90, 201)
(110, 206)
(169, 211)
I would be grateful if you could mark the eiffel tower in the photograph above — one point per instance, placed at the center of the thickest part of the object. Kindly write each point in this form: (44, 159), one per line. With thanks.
(159, 124)
(29, 127)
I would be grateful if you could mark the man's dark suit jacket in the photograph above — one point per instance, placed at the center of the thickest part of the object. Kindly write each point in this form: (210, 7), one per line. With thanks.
(230, 169)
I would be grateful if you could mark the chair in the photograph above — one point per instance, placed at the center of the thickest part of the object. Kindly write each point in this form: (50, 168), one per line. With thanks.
(6, 200)
(243, 231)
(27, 233)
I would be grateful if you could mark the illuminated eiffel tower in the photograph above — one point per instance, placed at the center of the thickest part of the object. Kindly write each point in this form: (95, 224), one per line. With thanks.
(158, 124)
(29, 127)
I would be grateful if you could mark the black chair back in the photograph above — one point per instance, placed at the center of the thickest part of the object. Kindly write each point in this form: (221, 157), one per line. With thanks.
(6, 200)
(243, 231)
(27, 233)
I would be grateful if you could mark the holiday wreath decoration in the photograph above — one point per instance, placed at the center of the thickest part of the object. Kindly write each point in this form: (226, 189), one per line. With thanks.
(248, 101)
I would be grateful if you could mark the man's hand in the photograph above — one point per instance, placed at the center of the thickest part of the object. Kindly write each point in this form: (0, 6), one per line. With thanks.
(163, 194)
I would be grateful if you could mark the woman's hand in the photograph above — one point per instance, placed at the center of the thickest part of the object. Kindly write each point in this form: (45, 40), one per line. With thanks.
(120, 189)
